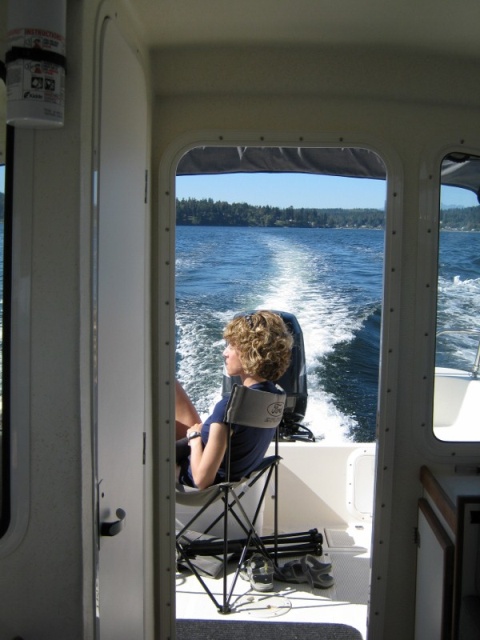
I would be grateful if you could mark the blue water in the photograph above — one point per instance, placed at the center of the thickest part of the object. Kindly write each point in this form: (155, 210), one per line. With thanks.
(458, 298)
(331, 279)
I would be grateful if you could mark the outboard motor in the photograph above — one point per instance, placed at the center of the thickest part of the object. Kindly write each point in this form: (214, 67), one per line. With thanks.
(293, 382)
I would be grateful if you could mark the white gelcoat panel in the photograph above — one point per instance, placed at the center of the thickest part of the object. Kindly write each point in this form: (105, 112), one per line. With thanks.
(121, 336)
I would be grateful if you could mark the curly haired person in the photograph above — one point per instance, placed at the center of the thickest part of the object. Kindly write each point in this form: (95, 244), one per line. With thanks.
(259, 348)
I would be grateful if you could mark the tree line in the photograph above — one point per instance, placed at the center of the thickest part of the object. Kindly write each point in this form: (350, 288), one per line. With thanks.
(208, 212)
(460, 219)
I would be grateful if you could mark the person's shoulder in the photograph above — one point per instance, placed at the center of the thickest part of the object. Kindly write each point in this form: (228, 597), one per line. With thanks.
(221, 404)
(269, 386)
(224, 399)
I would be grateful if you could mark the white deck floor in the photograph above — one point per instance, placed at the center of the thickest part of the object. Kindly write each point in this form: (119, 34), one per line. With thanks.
(344, 603)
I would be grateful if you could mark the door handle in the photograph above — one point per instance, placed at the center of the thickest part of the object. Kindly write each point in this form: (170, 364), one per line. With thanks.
(114, 528)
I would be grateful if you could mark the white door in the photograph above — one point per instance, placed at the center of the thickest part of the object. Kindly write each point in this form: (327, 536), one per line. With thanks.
(121, 349)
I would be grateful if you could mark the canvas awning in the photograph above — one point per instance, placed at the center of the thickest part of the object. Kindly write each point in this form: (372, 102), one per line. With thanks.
(459, 170)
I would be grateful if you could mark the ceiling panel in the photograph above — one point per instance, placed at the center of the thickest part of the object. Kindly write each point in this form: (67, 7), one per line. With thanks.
(448, 26)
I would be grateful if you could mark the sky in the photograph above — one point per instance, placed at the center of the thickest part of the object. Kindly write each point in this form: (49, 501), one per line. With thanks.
(285, 190)
(296, 190)
(300, 190)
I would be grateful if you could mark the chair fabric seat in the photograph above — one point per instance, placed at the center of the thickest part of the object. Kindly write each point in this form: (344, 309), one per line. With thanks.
(193, 497)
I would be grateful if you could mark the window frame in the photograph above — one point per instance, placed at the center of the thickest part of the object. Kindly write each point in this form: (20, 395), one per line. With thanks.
(389, 350)
(423, 378)
(17, 373)
(5, 509)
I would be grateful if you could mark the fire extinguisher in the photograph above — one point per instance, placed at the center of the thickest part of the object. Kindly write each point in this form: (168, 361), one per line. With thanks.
(35, 62)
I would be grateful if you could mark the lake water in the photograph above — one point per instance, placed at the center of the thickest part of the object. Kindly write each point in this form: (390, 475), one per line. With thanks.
(331, 280)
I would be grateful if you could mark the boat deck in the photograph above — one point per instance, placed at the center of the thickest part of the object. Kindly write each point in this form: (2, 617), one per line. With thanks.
(344, 603)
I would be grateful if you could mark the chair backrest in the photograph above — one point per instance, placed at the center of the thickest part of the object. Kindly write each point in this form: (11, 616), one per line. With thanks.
(294, 380)
(254, 408)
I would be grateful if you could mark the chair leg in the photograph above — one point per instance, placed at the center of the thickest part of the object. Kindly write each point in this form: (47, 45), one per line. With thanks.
(183, 553)
(275, 516)
(226, 600)
(257, 478)
(232, 506)
(193, 569)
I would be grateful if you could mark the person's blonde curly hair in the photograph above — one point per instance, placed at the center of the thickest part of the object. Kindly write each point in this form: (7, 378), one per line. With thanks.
(263, 342)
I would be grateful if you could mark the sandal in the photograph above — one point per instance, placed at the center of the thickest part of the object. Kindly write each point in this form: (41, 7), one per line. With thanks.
(317, 572)
(306, 570)
(291, 572)
(313, 563)
(259, 570)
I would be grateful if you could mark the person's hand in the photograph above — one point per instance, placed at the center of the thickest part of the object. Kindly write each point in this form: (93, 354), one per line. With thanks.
(196, 428)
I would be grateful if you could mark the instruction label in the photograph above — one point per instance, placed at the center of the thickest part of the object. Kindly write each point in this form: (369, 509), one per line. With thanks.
(35, 81)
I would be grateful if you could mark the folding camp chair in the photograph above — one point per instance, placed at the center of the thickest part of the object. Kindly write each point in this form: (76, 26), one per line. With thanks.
(251, 408)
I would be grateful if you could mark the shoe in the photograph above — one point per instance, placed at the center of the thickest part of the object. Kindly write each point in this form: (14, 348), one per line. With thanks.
(312, 562)
(306, 570)
(291, 572)
(260, 573)
(317, 572)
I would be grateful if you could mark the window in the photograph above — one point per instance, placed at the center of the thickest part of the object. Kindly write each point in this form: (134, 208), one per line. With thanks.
(457, 379)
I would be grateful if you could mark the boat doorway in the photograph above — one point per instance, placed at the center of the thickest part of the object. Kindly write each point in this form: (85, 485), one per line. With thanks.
(311, 244)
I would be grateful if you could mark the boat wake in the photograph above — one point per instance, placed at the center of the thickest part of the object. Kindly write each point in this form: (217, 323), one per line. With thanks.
(283, 271)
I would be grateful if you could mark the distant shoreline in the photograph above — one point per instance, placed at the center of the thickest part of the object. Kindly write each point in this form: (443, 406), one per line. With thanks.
(208, 213)
(244, 226)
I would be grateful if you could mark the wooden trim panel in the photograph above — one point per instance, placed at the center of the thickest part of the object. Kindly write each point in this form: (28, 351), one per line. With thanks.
(440, 497)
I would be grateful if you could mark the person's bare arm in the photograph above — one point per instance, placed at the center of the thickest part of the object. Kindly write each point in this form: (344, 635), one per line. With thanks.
(205, 461)
(185, 413)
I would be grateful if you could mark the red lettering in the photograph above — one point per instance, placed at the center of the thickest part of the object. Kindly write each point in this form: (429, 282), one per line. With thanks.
(44, 34)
